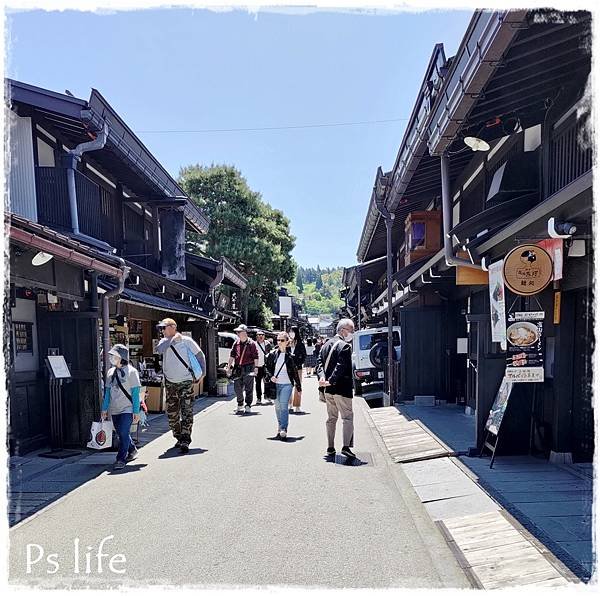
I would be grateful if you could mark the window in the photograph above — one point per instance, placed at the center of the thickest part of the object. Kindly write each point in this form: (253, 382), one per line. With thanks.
(417, 235)
(23, 338)
(366, 342)
(45, 154)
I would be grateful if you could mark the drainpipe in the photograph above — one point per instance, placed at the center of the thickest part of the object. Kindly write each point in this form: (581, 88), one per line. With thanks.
(451, 259)
(105, 314)
(71, 160)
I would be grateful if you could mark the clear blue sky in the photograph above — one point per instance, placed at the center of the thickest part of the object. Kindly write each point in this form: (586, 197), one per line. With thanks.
(193, 69)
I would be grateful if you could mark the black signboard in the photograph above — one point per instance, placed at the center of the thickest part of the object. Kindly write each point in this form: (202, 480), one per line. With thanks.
(525, 357)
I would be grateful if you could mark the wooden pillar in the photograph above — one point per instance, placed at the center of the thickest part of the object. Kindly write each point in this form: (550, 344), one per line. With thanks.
(563, 380)
(211, 351)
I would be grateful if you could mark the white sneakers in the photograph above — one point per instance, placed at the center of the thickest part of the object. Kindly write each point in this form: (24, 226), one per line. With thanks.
(240, 409)
(297, 409)
(247, 409)
(282, 434)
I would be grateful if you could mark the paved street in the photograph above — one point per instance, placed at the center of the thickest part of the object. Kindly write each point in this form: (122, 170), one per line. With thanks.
(240, 509)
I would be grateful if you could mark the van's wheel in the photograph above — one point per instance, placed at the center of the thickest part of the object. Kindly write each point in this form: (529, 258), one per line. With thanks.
(358, 388)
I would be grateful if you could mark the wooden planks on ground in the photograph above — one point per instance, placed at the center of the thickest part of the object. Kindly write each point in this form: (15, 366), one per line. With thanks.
(497, 554)
(406, 440)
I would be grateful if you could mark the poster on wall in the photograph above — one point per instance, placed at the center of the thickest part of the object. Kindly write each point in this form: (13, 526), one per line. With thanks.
(554, 247)
(525, 357)
(497, 304)
(499, 407)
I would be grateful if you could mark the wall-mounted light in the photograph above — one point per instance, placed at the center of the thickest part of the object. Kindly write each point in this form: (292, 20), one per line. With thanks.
(476, 144)
(564, 229)
(41, 258)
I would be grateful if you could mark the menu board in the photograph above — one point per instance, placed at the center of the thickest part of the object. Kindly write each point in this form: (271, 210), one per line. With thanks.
(499, 407)
(58, 367)
(525, 357)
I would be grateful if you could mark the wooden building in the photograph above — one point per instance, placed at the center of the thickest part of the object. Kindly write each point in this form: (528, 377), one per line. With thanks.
(86, 192)
(499, 150)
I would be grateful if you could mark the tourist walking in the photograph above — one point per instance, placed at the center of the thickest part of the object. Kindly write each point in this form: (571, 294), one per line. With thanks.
(263, 349)
(122, 402)
(180, 377)
(311, 358)
(282, 373)
(298, 351)
(334, 369)
(243, 368)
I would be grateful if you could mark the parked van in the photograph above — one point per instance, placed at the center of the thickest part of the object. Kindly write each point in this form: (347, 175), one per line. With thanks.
(225, 341)
(363, 371)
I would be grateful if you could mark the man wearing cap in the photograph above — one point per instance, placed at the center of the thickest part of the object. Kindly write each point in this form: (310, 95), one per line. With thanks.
(243, 360)
(176, 350)
(263, 349)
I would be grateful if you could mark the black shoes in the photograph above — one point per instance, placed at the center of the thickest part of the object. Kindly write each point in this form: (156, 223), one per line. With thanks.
(184, 448)
(346, 451)
(132, 455)
(330, 452)
(178, 445)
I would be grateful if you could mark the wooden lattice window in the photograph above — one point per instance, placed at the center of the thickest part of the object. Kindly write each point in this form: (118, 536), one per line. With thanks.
(23, 338)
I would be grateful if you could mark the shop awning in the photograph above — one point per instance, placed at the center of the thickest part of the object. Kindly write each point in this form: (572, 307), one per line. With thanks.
(130, 296)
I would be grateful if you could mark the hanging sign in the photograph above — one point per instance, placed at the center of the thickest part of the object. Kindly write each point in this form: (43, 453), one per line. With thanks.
(497, 304)
(554, 247)
(525, 358)
(527, 269)
(58, 367)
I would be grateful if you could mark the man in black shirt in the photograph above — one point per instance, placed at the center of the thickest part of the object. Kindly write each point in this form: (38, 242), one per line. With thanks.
(334, 369)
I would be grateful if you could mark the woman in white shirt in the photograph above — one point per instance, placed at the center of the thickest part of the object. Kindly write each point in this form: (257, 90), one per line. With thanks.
(282, 372)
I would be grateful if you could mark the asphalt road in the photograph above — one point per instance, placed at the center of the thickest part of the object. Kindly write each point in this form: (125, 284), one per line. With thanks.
(240, 509)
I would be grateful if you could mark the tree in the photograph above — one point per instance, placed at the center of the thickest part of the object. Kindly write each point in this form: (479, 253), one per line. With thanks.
(299, 283)
(246, 230)
(319, 283)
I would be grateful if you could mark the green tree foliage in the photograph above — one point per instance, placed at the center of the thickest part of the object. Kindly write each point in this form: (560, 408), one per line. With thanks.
(299, 283)
(249, 232)
(320, 292)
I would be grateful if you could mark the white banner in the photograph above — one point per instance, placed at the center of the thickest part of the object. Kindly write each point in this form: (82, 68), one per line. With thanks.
(285, 306)
(497, 303)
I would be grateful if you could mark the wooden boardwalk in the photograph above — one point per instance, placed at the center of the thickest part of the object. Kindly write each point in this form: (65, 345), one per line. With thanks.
(406, 440)
(496, 553)
(493, 549)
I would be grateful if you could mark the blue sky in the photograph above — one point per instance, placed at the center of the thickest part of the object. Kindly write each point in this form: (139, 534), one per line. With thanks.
(196, 70)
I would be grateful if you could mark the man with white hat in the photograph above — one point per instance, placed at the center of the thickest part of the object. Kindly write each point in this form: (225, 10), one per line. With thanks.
(177, 351)
(243, 367)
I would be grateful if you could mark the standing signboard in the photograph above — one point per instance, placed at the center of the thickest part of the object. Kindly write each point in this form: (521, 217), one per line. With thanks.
(494, 421)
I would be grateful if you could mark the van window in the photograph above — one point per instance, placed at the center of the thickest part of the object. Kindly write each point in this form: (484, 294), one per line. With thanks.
(226, 342)
(366, 342)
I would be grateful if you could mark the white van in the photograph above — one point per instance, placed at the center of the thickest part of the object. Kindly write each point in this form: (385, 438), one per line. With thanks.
(226, 341)
(362, 342)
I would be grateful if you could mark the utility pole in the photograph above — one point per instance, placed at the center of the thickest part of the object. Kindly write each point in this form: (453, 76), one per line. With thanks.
(359, 304)
(380, 192)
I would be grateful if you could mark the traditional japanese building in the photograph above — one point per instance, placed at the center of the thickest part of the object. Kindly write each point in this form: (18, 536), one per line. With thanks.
(497, 156)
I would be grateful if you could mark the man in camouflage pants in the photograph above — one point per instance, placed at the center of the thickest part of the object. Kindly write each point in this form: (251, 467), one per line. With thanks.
(176, 350)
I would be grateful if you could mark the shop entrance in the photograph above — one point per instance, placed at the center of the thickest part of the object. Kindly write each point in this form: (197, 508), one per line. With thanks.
(77, 337)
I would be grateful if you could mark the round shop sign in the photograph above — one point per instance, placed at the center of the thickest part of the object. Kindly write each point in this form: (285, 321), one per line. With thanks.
(527, 269)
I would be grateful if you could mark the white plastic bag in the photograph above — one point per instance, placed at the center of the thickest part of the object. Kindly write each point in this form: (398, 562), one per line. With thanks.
(101, 435)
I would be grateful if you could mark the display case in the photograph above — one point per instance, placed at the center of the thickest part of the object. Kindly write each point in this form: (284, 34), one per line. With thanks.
(422, 235)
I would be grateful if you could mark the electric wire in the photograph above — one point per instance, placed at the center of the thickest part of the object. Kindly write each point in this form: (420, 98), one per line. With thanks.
(267, 128)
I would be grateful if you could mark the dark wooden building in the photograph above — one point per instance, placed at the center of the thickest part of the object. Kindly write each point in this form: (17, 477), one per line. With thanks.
(518, 90)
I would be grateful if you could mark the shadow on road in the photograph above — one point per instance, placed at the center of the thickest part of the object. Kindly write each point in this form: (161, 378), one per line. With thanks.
(342, 460)
(127, 469)
(172, 452)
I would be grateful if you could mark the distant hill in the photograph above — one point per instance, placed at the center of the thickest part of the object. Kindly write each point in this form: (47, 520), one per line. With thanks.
(318, 289)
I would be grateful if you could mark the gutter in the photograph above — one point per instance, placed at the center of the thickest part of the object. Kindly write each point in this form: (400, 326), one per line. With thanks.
(449, 256)
(124, 272)
(72, 158)
(66, 254)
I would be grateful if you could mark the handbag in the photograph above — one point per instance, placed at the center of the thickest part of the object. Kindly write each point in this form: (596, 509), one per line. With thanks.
(194, 369)
(101, 435)
(236, 373)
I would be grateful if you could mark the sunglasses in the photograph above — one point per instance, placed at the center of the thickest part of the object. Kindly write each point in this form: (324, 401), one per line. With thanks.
(282, 341)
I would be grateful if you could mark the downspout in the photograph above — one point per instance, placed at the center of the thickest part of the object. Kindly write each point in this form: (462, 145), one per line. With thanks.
(72, 158)
(105, 313)
(451, 259)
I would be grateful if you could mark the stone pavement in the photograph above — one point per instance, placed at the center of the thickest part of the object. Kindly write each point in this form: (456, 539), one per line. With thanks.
(243, 510)
(35, 482)
(553, 502)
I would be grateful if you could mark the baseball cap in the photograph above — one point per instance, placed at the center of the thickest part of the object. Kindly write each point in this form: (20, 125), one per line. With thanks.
(241, 327)
(166, 322)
